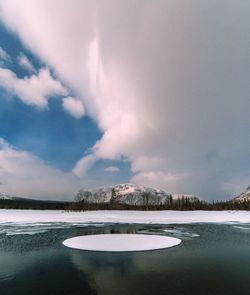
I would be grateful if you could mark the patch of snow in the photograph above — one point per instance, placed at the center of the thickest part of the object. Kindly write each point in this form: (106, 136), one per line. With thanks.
(178, 232)
(121, 242)
(5, 197)
(15, 228)
(242, 227)
(181, 232)
(22, 232)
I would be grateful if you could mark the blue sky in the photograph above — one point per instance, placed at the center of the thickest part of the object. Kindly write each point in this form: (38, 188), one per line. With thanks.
(98, 93)
(51, 134)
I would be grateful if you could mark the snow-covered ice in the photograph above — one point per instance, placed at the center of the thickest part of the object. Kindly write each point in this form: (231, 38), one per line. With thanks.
(181, 232)
(140, 217)
(121, 242)
(17, 228)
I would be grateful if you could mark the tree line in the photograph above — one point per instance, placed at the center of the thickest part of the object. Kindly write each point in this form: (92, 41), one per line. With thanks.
(184, 203)
(85, 204)
(33, 204)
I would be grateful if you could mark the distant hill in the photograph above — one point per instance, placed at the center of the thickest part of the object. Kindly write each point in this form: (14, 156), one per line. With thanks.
(127, 193)
(5, 197)
(11, 202)
(8, 197)
(130, 194)
(127, 196)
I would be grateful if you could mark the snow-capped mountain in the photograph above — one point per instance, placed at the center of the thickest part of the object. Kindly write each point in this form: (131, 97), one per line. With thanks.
(127, 193)
(130, 194)
(243, 197)
(5, 197)
(13, 198)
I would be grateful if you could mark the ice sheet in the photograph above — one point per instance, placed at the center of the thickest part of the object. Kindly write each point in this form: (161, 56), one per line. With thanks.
(121, 242)
(140, 217)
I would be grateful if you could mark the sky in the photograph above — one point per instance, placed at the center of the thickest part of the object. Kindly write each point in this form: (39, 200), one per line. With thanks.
(94, 93)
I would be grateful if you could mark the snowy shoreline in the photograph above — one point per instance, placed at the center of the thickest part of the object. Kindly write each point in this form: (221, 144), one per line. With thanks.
(137, 217)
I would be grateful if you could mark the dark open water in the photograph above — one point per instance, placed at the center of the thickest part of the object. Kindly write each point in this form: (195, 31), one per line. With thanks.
(213, 259)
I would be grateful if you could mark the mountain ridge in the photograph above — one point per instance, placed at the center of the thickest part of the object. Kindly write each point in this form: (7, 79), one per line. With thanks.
(130, 194)
(243, 197)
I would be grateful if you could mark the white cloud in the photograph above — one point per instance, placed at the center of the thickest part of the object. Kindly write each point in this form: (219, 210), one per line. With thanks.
(23, 174)
(112, 169)
(167, 82)
(83, 165)
(166, 181)
(25, 63)
(34, 90)
(74, 107)
(3, 55)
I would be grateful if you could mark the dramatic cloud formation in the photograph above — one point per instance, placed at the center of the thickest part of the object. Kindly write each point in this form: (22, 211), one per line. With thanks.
(22, 174)
(166, 81)
(25, 63)
(73, 107)
(83, 165)
(34, 90)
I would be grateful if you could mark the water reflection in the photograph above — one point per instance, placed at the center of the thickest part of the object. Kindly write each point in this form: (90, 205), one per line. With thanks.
(11, 264)
(126, 273)
(216, 262)
(198, 266)
(123, 231)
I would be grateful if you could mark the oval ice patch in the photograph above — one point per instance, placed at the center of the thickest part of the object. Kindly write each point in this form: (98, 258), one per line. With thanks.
(121, 242)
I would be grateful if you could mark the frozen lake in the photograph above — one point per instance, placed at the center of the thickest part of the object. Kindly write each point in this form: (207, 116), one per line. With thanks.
(143, 217)
(213, 258)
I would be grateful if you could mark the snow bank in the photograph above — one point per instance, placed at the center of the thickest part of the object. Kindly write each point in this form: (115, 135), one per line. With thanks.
(141, 217)
(121, 242)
